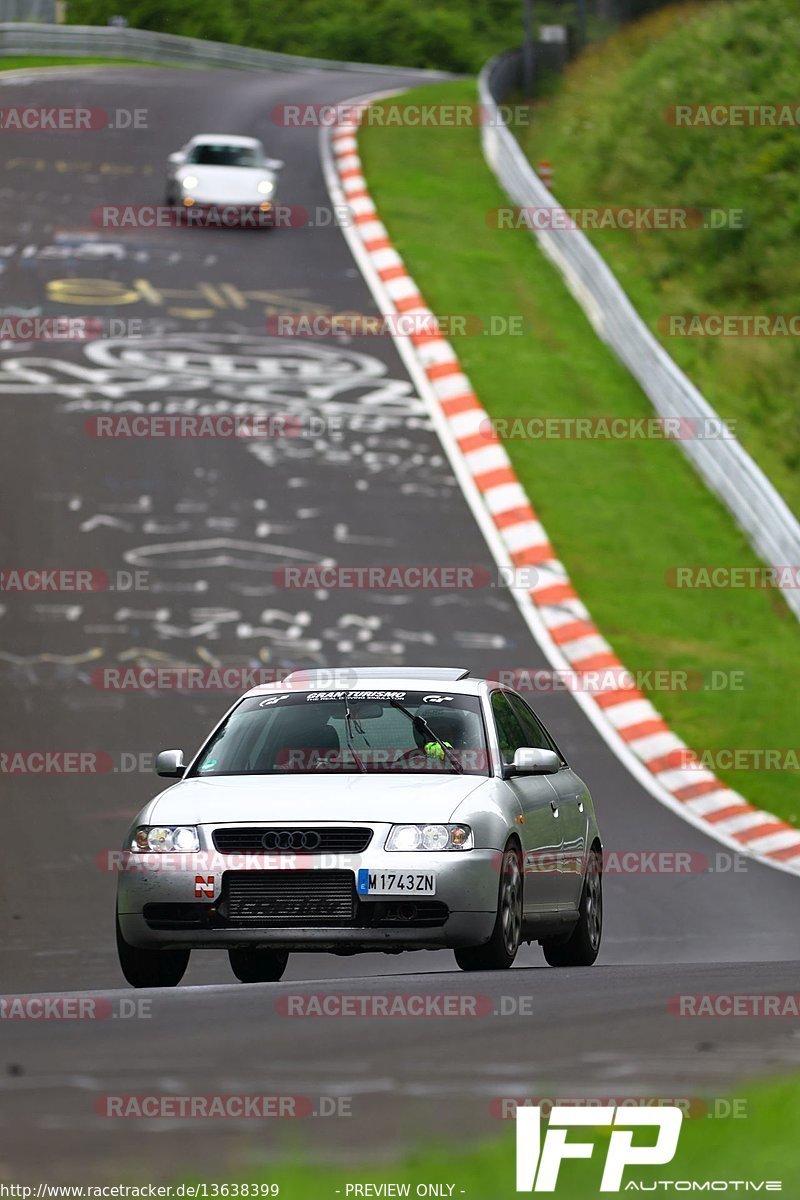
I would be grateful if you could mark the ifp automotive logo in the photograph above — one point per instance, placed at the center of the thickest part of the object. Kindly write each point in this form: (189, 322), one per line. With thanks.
(538, 1161)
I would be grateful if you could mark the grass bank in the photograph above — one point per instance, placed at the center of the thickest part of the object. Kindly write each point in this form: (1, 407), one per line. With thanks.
(32, 60)
(611, 136)
(620, 514)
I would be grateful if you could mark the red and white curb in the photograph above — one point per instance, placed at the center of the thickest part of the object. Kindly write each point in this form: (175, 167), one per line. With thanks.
(560, 622)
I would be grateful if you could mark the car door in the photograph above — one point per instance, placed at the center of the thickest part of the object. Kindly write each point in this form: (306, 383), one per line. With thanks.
(540, 830)
(570, 808)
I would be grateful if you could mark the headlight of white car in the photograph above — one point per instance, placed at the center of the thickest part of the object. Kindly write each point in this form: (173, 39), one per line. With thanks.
(430, 837)
(189, 182)
(178, 839)
(266, 187)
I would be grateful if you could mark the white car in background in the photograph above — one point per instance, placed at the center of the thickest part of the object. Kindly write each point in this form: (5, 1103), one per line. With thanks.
(216, 170)
(404, 809)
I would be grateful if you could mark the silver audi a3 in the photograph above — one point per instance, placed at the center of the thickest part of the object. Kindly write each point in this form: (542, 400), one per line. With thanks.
(375, 809)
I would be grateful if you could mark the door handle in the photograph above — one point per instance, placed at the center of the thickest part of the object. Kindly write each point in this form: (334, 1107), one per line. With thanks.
(554, 805)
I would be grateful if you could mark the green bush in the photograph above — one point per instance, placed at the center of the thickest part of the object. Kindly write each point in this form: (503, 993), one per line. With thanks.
(452, 35)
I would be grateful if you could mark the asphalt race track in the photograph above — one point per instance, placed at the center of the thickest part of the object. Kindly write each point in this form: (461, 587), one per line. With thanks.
(207, 522)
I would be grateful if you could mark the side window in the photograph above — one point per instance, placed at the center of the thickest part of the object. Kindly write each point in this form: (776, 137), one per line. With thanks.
(535, 733)
(509, 731)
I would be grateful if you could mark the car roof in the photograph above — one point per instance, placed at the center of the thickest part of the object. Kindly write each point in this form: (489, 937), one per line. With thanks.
(455, 679)
(230, 139)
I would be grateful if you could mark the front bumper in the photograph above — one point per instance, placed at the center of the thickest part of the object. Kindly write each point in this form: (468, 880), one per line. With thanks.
(460, 929)
(183, 900)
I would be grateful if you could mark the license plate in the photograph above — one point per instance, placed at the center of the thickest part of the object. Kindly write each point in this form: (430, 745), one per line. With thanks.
(396, 883)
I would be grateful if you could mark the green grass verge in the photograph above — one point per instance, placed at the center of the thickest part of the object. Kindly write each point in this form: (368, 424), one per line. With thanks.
(758, 1145)
(620, 514)
(609, 143)
(15, 63)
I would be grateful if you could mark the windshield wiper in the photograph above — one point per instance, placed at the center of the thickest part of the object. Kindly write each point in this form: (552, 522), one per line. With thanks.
(348, 726)
(420, 723)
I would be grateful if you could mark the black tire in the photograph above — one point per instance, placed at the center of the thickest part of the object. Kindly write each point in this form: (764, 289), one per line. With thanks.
(150, 968)
(582, 946)
(258, 966)
(500, 951)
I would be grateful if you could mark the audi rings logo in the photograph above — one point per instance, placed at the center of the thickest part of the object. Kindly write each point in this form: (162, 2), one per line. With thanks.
(291, 839)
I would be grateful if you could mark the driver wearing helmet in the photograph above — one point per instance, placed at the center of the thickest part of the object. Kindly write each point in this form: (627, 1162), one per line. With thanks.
(449, 726)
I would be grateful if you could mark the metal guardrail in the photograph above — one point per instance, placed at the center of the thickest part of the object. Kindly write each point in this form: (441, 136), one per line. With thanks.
(722, 463)
(169, 48)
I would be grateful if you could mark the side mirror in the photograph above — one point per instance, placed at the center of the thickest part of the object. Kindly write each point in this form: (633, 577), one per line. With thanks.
(273, 164)
(176, 158)
(531, 760)
(170, 764)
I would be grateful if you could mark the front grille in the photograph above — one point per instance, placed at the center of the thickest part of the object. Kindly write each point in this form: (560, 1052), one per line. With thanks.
(285, 898)
(291, 839)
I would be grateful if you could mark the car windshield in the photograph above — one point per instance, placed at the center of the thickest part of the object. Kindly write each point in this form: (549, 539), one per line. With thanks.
(222, 154)
(349, 731)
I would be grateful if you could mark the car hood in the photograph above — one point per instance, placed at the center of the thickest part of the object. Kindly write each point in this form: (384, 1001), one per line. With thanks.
(371, 798)
(229, 185)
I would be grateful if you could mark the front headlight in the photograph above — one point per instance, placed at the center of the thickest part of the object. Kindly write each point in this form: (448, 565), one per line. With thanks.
(177, 839)
(189, 182)
(429, 837)
(266, 187)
